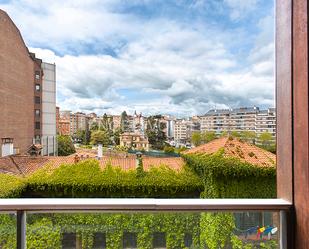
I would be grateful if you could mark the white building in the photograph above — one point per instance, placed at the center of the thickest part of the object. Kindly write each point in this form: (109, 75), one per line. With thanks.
(240, 119)
(49, 133)
(266, 122)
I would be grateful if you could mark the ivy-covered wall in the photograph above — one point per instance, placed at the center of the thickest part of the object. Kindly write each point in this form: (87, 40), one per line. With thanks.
(228, 177)
(44, 231)
(206, 176)
(87, 179)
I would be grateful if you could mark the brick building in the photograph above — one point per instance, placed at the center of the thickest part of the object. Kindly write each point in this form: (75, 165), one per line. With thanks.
(21, 91)
(134, 141)
(17, 86)
(64, 127)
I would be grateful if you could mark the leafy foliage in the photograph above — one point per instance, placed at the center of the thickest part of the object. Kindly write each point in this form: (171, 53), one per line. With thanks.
(65, 146)
(155, 132)
(11, 186)
(168, 149)
(100, 137)
(86, 179)
(82, 136)
(199, 138)
(228, 177)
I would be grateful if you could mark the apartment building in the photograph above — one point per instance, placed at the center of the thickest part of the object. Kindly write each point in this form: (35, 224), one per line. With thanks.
(243, 118)
(240, 119)
(64, 127)
(266, 122)
(183, 129)
(49, 123)
(78, 121)
(216, 120)
(23, 95)
(116, 122)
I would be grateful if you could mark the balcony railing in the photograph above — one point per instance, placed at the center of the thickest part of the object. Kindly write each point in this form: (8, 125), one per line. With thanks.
(134, 210)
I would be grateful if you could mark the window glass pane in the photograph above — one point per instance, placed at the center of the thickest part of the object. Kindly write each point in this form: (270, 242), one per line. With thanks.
(99, 241)
(129, 240)
(68, 241)
(37, 100)
(159, 240)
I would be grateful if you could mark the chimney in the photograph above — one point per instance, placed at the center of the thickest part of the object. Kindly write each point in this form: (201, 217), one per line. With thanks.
(100, 151)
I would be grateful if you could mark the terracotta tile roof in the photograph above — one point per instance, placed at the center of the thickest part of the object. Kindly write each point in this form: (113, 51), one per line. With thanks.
(8, 166)
(175, 163)
(23, 165)
(237, 148)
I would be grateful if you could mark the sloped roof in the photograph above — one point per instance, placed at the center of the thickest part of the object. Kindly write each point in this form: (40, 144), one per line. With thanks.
(236, 148)
(24, 165)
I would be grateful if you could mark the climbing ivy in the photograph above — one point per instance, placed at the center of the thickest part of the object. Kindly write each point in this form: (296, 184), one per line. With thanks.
(228, 177)
(11, 186)
(87, 179)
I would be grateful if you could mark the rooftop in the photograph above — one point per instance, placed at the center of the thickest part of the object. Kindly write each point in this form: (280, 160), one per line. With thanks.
(237, 148)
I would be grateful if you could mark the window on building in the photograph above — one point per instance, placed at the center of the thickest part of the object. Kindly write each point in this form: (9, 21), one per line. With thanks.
(129, 240)
(99, 241)
(37, 100)
(159, 240)
(37, 139)
(37, 113)
(68, 241)
(37, 87)
(37, 75)
(37, 125)
(188, 240)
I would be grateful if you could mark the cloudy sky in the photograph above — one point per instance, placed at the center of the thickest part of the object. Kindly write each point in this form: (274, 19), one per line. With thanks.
(175, 57)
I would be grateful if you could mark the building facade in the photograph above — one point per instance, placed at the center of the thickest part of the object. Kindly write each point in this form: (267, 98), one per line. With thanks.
(49, 123)
(266, 122)
(27, 96)
(240, 119)
(134, 141)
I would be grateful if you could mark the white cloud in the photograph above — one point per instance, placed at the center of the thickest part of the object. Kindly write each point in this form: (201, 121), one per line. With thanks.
(184, 70)
(240, 8)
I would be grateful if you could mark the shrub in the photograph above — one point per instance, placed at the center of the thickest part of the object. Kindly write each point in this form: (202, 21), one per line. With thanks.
(86, 179)
(65, 146)
(11, 186)
(168, 149)
(228, 177)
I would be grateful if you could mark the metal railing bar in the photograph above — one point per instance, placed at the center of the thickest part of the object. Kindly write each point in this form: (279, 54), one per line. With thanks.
(21, 230)
(143, 204)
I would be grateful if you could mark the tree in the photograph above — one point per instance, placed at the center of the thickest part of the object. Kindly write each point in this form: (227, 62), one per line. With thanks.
(106, 122)
(169, 149)
(208, 136)
(116, 136)
(100, 137)
(65, 146)
(235, 134)
(224, 134)
(266, 139)
(248, 136)
(155, 132)
(196, 138)
(124, 121)
(94, 126)
(83, 136)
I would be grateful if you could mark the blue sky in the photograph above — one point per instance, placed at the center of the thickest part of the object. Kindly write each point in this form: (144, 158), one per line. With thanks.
(175, 57)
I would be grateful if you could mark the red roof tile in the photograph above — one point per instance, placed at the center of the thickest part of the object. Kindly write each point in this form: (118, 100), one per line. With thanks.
(239, 149)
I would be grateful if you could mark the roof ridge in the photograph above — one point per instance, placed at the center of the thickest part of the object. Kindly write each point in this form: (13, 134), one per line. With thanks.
(16, 165)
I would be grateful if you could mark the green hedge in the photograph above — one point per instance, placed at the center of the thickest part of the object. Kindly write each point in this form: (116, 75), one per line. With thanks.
(228, 177)
(86, 179)
(45, 231)
(11, 186)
